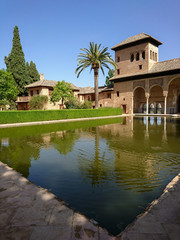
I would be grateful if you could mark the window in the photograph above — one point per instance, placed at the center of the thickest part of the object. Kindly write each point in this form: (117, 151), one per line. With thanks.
(37, 92)
(117, 93)
(132, 57)
(31, 93)
(89, 98)
(140, 67)
(118, 59)
(109, 95)
(143, 55)
(150, 54)
(156, 57)
(153, 56)
(118, 71)
(137, 56)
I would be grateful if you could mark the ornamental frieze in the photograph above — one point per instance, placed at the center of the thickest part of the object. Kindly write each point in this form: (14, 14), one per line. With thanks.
(139, 84)
(158, 81)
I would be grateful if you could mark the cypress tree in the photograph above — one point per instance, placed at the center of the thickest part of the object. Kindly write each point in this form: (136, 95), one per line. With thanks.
(15, 63)
(33, 73)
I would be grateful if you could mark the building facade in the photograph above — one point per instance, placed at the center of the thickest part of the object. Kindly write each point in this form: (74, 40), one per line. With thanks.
(142, 84)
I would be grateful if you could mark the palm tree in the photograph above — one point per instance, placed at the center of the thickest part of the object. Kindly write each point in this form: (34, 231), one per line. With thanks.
(95, 57)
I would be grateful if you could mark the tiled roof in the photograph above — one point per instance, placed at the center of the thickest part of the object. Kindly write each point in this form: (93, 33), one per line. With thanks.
(47, 83)
(136, 38)
(89, 90)
(173, 64)
(166, 65)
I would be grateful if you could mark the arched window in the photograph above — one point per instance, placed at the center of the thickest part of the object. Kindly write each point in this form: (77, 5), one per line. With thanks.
(132, 57)
(118, 59)
(137, 56)
(156, 57)
(153, 56)
(143, 55)
(150, 54)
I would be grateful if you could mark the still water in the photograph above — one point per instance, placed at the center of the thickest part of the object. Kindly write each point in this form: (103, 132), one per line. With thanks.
(109, 170)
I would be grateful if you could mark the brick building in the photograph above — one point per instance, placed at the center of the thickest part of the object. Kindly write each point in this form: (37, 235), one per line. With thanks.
(141, 83)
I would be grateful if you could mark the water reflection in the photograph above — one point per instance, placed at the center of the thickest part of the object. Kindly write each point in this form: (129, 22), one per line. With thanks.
(109, 172)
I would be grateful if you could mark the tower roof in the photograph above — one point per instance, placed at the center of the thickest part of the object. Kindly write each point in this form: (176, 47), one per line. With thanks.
(134, 40)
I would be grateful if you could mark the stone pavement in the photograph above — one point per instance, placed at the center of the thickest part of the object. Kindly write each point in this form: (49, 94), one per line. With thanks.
(30, 212)
(161, 220)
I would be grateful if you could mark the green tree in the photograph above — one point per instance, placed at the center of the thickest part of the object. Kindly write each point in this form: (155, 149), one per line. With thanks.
(62, 91)
(32, 72)
(8, 88)
(15, 63)
(111, 73)
(37, 102)
(95, 57)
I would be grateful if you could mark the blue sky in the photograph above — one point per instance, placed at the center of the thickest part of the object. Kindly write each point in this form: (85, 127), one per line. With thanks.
(53, 31)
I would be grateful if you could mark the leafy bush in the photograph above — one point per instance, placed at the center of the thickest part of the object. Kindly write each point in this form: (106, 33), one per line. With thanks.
(73, 103)
(86, 105)
(46, 115)
(37, 102)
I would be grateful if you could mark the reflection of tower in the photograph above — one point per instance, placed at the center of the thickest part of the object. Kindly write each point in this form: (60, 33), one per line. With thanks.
(165, 129)
(130, 122)
(147, 127)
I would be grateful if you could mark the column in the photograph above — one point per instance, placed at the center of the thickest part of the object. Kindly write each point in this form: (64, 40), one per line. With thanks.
(165, 94)
(165, 104)
(132, 104)
(147, 102)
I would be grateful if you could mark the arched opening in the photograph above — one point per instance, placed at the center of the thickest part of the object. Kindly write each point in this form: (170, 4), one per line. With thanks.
(132, 57)
(139, 105)
(137, 56)
(173, 99)
(156, 100)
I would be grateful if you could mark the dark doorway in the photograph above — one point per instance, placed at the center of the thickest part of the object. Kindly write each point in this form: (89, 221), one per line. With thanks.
(178, 104)
(124, 109)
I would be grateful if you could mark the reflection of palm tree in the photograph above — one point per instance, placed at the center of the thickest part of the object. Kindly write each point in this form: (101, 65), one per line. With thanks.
(95, 168)
(64, 141)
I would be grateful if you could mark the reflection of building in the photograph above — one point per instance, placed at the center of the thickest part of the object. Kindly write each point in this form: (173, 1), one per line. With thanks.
(141, 83)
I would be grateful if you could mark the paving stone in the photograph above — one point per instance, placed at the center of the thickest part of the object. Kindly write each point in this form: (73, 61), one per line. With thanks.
(83, 228)
(160, 237)
(50, 233)
(104, 235)
(30, 216)
(173, 231)
(23, 233)
(61, 216)
(136, 236)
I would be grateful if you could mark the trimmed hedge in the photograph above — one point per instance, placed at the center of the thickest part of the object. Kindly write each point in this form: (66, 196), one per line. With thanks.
(33, 130)
(46, 115)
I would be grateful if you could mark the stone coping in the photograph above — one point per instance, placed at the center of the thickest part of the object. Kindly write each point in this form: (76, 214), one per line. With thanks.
(161, 219)
(33, 213)
(7, 125)
(28, 211)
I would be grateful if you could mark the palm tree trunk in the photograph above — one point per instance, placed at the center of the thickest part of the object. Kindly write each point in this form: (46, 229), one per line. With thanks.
(96, 75)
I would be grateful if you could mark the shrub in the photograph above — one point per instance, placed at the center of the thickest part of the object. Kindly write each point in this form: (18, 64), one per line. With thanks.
(37, 102)
(72, 103)
(46, 115)
(86, 105)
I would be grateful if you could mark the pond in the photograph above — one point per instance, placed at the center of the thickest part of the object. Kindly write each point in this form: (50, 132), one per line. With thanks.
(109, 170)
